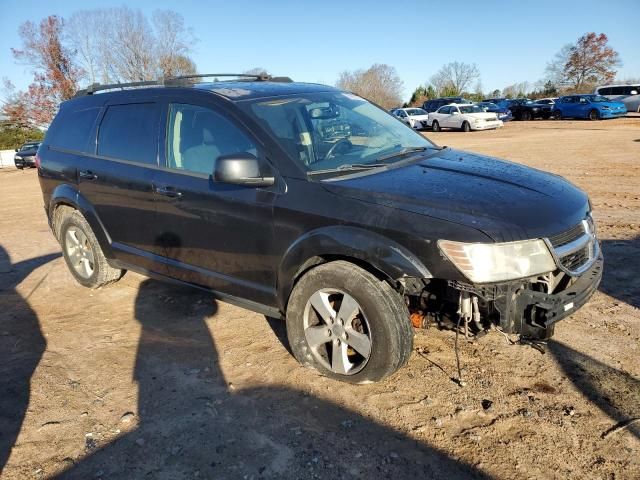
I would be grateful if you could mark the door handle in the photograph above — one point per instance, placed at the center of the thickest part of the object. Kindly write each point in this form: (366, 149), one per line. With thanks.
(88, 175)
(168, 192)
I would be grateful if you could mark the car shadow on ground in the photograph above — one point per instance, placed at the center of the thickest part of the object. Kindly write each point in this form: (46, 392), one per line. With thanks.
(21, 347)
(613, 391)
(191, 422)
(620, 278)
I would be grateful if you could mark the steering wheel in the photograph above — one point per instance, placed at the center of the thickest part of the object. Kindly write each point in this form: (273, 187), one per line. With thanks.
(334, 147)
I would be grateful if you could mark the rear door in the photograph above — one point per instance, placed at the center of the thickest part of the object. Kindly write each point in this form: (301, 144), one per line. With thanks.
(117, 179)
(210, 233)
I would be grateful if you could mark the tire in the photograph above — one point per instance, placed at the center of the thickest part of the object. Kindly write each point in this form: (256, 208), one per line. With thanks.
(525, 116)
(379, 315)
(556, 115)
(19, 168)
(435, 126)
(594, 115)
(465, 127)
(83, 254)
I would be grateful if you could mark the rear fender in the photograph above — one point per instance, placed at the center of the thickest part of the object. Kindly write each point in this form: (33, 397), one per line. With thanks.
(65, 194)
(387, 257)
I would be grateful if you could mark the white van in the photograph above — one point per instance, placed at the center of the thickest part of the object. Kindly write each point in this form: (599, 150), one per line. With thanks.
(627, 94)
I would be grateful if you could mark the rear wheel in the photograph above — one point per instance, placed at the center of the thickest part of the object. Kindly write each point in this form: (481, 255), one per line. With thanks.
(348, 324)
(435, 126)
(594, 115)
(83, 254)
(465, 127)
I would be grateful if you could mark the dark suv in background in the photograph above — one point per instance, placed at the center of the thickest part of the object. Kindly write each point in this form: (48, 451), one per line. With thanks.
(436, 103)
(26, 155)
(304, 202)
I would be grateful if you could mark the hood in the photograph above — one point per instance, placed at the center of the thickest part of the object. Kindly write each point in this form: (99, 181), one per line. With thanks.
(613, 105)
(485, 115)
(27, 153)
(504, 200)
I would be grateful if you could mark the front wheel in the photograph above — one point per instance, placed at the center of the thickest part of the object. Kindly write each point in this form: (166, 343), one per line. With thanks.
(556, 115)
(465, 127)
(348, 324)
(435, 126)
(526, 115)
(594, 115)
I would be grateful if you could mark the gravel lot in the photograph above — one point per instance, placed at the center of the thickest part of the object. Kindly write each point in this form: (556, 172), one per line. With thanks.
(143, 379)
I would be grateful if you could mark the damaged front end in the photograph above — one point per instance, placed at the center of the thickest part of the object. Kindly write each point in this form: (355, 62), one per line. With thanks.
(530, 306)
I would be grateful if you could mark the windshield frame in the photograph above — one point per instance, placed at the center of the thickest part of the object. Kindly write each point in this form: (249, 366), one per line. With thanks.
(421, 146)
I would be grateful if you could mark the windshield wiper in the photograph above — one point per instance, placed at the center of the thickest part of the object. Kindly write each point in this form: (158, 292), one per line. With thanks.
(348, 167)
(403, 152)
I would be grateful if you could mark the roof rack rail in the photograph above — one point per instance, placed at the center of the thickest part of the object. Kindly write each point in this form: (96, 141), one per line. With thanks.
(178, 81)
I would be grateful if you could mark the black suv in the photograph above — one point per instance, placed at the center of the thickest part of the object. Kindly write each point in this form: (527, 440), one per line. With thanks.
(523, 108)
(436, 103)
(26, 155)
(305, 202)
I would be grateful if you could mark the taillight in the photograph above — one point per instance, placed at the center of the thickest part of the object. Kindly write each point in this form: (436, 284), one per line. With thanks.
(37, 161)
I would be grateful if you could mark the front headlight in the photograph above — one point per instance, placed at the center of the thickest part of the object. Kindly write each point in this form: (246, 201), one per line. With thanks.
(497, 262)
(604, 107)
(17, 157)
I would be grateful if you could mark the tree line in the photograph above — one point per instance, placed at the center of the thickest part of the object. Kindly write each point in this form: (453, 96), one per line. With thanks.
(106, 45)
(577, 68)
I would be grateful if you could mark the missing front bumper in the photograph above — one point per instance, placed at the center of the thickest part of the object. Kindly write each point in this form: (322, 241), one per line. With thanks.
(519, 308)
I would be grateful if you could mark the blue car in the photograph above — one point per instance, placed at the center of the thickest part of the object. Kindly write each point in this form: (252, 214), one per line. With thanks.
(593, 107)
(502, 113)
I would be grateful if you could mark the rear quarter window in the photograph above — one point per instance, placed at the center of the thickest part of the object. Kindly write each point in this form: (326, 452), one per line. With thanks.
(71, 130)
(130, 132)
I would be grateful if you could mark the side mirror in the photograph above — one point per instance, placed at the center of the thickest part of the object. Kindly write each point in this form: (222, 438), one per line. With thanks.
(455, 112)
(17, 150)
(241, 169)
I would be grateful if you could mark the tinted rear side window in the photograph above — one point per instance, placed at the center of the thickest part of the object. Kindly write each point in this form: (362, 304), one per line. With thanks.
(71, 130)
(130, 132)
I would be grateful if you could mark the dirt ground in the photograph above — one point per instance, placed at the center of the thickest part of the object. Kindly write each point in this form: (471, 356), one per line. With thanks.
(146, 380)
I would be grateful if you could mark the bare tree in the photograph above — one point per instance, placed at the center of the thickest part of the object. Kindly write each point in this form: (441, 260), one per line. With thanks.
(120, 44)
(554, 71)
(380, 83)
(256, 71)
(455, 78)
(173, 43)
(83, 34)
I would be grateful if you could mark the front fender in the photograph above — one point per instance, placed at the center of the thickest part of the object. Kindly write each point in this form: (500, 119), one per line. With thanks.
(65, 194)
(386, 256)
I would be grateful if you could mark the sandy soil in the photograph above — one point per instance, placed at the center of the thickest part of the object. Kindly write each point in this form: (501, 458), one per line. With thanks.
(146, 380)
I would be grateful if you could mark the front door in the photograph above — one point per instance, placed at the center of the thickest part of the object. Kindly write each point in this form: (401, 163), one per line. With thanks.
(210, 233)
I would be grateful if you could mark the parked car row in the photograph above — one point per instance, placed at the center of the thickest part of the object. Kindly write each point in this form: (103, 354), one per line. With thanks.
(463, 116)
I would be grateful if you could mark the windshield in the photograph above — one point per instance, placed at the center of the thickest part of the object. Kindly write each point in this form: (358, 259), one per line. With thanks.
(333, 130)
(596, 98)
(471, 109)
(416, 111)
(29, 146)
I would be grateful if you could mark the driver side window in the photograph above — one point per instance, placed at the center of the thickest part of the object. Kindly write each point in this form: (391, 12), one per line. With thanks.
(197, 136)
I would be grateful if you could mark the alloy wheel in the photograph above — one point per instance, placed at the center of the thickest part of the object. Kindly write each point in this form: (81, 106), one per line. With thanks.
(337, 331)
(79, 252)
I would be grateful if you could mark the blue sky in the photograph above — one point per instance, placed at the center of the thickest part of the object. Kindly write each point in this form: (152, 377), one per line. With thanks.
(314, 41)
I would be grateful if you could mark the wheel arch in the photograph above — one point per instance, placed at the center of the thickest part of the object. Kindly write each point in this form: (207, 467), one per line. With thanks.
(65, 195)
(373, 252)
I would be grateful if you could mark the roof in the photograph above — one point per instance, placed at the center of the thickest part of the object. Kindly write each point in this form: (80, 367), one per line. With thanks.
(243, 90)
